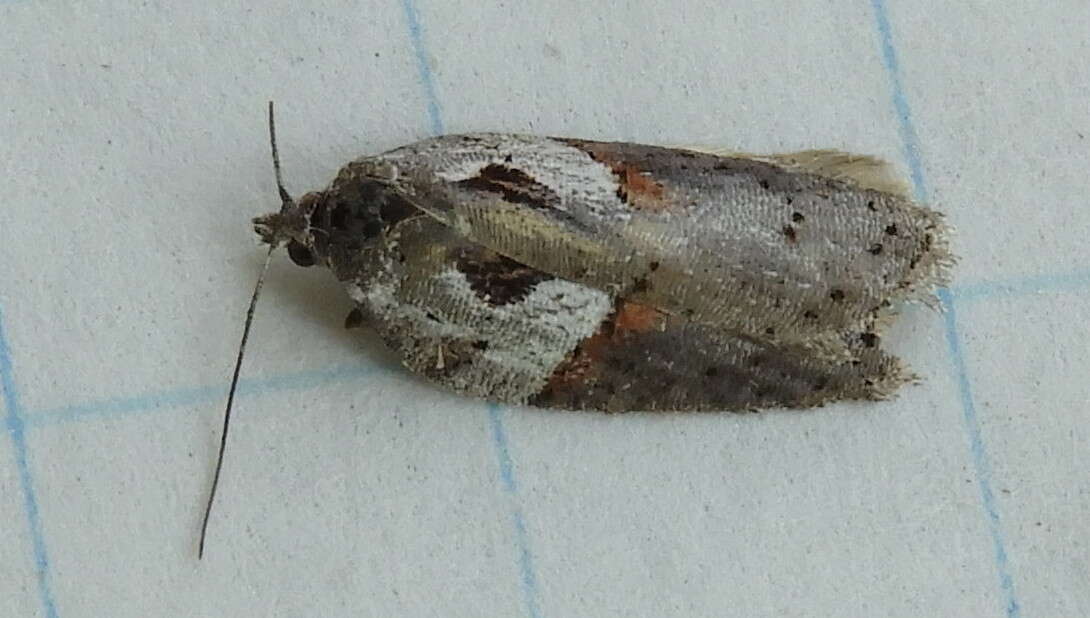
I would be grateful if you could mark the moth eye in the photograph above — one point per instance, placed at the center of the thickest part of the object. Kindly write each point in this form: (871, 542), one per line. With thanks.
(300, 254)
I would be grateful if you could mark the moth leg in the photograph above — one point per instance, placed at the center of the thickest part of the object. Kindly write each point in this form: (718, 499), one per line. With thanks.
(355, 319)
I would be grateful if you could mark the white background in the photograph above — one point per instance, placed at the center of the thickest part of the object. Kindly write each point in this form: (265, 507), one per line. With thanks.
(134, 150)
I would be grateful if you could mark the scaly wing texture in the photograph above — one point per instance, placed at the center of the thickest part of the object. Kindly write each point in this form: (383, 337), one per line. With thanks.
(642, 359)
(791, 250)
(472, 320)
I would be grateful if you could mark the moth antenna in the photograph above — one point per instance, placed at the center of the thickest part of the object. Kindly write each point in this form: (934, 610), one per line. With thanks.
(231, 401)
(287, 203)
(284, 196)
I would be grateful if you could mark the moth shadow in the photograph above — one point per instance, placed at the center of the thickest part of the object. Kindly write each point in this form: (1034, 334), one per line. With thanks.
(315, 296)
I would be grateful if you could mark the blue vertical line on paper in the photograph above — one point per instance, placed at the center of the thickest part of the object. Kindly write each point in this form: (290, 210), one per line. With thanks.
(423, 66)
(17, 431)
(910, 141)
(507, 478)
(968, 406)
(980, 456)
(499, 434)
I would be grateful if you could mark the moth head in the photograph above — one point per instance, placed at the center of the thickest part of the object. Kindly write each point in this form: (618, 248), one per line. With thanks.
(333, 226)
(349, 217)
(291, 226)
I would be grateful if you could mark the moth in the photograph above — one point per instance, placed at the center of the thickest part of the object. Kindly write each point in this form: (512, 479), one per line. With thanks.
(586, 275)
(589, 275)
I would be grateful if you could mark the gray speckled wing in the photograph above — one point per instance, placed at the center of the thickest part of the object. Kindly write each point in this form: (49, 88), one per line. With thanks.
(770, 252)
(469, 319)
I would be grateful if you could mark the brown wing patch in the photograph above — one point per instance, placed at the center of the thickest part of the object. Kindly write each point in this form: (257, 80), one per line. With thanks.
(634, 317)
(638, 189)
(496, 279)
(643, 359)
(516, 186)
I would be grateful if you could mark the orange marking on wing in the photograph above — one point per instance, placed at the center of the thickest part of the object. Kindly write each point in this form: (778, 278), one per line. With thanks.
(629, 317)
(632, 316)
(637, 188)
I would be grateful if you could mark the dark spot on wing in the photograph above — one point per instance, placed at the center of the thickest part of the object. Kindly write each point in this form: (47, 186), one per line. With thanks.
(507, 175)
(496, 279)
(514, 185)
(790, 234)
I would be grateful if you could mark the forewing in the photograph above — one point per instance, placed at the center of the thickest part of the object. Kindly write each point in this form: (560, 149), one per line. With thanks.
(759, 247)
(643, 359)
(469, 319)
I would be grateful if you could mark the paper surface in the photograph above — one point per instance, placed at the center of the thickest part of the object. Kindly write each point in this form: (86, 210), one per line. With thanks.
(135, 152)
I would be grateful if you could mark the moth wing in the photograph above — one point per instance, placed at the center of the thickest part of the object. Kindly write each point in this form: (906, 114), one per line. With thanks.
(864, 171)
(484, 325)
(786, 250)
(642, 359)
(468, 318)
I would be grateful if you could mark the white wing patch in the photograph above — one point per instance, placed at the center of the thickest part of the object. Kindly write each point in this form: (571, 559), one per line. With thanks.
(583, 185)
(526, 340)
